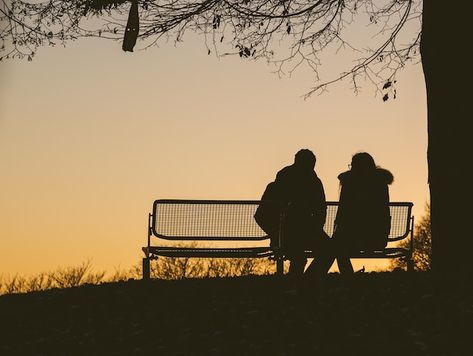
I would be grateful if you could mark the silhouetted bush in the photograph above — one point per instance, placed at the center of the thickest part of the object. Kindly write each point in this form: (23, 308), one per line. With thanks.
(67, 277)
(21, 284)
(422, 254)
(163, 268)
(184, 267)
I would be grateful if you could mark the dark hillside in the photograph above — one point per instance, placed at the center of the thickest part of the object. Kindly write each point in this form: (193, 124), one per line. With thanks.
(376, 313)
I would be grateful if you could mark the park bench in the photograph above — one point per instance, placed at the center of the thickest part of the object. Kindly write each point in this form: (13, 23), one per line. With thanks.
(231, 221)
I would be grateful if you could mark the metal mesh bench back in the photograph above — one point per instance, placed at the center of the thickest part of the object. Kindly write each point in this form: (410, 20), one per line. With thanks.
(233, 220)
(400, 219)
(206, 220)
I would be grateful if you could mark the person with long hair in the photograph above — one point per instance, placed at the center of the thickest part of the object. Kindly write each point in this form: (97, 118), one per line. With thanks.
(363, 218)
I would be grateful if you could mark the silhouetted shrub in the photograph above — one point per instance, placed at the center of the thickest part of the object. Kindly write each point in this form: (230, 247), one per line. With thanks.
(422, 254)
(67, 277)
(163, 268)
(184, 267)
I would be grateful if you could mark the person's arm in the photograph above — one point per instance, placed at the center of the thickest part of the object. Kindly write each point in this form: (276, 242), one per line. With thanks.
(387, 212)
(284, 186)
(341, 205)
(321, 204)
(386, 195)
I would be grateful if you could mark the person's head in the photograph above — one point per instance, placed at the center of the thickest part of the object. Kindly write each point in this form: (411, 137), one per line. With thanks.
(305, 159)
(362, 162)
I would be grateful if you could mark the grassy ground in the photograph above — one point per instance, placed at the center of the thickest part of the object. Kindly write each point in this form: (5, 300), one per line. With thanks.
(373, 314)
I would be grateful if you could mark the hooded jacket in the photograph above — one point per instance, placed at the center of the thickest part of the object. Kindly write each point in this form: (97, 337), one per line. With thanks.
(363, 218)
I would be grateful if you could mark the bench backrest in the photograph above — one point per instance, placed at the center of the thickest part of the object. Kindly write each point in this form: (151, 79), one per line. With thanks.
(232, 220)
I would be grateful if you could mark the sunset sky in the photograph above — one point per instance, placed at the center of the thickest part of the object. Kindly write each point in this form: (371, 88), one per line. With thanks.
(90, 136)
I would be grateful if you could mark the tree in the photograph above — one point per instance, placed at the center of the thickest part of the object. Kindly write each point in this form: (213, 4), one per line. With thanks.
(444, 35)
(422, 254)
(290, 34)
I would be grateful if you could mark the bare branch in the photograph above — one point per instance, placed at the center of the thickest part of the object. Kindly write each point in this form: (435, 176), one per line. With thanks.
(289, 34)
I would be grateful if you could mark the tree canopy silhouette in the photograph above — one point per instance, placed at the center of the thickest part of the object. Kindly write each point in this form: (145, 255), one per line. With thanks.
(289, 34)
(293, 33)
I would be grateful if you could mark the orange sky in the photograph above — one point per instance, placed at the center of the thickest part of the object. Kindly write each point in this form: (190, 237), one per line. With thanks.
(90, 136)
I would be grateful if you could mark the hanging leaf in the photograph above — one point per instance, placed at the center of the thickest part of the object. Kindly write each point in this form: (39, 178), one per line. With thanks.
(387, 84)
(216, 22)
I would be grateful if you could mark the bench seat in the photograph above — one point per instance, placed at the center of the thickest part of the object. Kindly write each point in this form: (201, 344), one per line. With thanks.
(250, 252)
(390, 252)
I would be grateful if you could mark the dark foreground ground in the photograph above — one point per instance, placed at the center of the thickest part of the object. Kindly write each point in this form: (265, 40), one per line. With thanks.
(375, 314)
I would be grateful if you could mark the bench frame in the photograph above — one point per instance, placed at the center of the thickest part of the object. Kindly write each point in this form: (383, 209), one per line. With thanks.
(154, 252)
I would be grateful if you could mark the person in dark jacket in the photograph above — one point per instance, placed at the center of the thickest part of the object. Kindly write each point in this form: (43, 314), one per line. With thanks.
(363, 219)
(303, 196)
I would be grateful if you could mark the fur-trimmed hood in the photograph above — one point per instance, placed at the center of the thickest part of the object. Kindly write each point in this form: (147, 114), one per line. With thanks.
(382, 174)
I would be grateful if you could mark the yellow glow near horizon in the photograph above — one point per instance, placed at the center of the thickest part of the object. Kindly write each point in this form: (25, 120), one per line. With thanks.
(90, 136)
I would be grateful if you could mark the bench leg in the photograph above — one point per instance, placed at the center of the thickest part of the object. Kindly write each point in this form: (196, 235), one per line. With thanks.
(146, 269)
(410, 265)
(279, 266)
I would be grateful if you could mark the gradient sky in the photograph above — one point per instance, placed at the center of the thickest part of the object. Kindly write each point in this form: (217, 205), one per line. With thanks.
(90, 136)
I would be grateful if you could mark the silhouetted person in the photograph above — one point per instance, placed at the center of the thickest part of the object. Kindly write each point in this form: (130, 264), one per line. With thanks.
(302, 193)
(363, 219)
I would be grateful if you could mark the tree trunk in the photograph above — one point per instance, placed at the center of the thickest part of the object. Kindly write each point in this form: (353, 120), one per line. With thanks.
(447, 67)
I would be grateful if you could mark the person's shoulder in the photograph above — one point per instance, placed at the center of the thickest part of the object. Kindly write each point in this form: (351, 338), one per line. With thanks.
(344, 176)
(272, 189)
(380, 175)
(316, 178)
(284, 173)
(385, 176)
